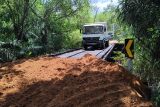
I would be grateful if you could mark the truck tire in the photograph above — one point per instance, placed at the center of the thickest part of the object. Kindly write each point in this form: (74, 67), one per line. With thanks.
(107, 44)
(102, 45)
(85, 47)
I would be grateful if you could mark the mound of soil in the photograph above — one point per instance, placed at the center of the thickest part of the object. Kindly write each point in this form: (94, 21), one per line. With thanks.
(61, 82)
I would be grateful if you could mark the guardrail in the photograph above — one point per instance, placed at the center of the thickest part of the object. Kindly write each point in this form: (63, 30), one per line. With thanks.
(106, 52)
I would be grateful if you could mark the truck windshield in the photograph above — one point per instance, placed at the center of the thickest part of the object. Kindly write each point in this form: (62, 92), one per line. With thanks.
(93, 30)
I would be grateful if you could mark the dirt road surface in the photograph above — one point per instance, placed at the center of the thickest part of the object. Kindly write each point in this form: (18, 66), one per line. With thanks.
(61, 82)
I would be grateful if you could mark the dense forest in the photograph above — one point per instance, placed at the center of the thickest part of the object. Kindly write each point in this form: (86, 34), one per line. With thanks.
(38, 27)
(30, 28)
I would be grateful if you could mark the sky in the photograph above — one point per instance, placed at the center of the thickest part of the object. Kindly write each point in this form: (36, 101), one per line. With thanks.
(101, 4)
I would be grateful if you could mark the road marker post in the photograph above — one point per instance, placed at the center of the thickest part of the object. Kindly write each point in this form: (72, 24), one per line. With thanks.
(129, 52)
(129, 48)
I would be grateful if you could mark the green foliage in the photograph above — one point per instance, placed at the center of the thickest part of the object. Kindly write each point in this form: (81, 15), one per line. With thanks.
(76, 39)
(156, 97)
(40, 26)
(120, 58)
(143, 17)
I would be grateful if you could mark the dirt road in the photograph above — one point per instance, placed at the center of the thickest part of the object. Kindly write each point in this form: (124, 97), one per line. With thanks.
(61, 82)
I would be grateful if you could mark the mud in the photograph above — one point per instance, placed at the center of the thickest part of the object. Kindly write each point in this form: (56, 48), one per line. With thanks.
(61, 82)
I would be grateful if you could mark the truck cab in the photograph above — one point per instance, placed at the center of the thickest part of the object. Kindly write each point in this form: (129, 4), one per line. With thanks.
(95, 35)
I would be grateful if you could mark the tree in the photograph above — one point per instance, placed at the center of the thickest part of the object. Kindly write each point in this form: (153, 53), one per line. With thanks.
(32, 24)
(18, 12)
(143, 16)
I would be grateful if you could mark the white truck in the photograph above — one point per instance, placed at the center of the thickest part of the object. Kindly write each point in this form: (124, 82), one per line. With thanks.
(95, 34)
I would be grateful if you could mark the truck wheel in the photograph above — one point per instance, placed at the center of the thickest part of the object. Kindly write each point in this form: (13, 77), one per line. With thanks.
(85, 47)
(102, 46)
(107, 44)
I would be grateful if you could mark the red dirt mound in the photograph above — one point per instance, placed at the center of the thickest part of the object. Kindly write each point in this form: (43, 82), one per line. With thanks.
(58, 82)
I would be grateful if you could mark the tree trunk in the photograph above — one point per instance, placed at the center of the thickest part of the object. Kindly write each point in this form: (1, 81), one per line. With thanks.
(44, 34)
